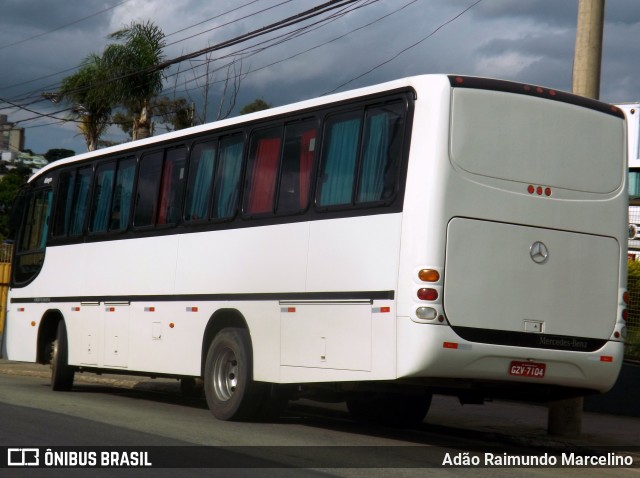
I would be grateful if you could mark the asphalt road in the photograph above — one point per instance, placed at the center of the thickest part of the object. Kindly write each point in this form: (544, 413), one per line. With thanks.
(307, 441)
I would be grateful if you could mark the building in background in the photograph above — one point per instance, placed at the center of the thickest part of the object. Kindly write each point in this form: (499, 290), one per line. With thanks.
(11, 138)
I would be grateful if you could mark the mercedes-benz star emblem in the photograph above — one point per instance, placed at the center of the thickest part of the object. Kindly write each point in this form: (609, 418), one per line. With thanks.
(539, 252)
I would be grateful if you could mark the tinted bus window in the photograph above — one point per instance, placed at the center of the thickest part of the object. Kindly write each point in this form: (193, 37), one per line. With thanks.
(262, 171)
(64, 203)
(173, 181)
(381, 152)
(31, 244)
(339, 159)
(105, 174)
(227, 178)
(297, 165)
(147, 191)
(200, 181)
(80, 206)
(122, 194)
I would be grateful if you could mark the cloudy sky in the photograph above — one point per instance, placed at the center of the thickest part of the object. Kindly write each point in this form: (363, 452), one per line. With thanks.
(371, 41)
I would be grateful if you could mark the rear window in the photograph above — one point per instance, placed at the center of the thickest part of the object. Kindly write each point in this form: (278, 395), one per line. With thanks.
(536, 141)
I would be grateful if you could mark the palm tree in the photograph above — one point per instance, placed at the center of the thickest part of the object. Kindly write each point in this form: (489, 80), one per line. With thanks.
(88, 92)
(134, 67)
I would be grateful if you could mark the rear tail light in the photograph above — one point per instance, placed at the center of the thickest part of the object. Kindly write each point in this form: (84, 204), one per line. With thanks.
(426, 313)
(427, 294)
(429, 275)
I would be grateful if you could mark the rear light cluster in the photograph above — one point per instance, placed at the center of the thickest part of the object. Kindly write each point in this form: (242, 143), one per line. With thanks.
(539, 190)
(429, 293)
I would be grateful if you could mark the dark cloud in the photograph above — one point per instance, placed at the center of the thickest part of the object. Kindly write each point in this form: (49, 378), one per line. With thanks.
(524, 40)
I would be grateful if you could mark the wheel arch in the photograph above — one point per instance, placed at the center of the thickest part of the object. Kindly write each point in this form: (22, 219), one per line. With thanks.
(47, 334)
(221, 319)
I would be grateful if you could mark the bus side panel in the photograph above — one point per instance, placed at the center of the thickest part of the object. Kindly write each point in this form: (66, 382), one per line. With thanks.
(20, 338)
(354, 254)
(110, 266)
(252, 260)
(269, 259)
(353, 339)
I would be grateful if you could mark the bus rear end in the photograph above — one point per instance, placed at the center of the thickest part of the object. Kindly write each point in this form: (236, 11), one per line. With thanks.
(530, 254)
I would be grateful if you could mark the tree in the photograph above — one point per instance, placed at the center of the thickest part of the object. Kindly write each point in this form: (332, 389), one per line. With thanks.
(134, 68)
(9, 185)
(230, 89)
(56, 154)
(174, 115)
(88, 92)
(256, 105)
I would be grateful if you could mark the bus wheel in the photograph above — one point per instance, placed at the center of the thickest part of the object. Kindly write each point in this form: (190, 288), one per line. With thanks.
(228, 385)
(61, 372)
(391, 409)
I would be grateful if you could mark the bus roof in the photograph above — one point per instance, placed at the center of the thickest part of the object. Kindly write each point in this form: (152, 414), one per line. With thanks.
(413, 81)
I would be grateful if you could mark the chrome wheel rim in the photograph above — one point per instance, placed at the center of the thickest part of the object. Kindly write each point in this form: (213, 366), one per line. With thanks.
(54, 354)
(225, 374)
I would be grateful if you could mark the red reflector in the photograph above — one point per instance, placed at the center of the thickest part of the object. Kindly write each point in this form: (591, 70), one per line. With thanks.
(552, 92)
(385, 309)
(110, 309)
(606, 358)
(625, 314)
(539, 190)
(20, 309)
(291, 309)
(625, 297)
(427, 294)
(459, 80)
(539, 90)
(449, 345)
(192, 309)
(547, 192)
(531, 189)
(75, 309)
(149, 309)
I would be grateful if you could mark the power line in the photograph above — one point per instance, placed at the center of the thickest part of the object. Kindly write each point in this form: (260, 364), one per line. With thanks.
(18, 42)
(212, 18)
(406, 49)
(289, 21)
(36, 94)
(243, 53)
(230, 22)
(292, 20)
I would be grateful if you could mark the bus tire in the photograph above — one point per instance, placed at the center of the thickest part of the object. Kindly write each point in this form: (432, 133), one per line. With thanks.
(389, 408)
(228, 377)
(61, 372)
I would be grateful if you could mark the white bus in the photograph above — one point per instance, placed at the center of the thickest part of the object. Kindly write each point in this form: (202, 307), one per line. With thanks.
(632, 111)
(427, 235)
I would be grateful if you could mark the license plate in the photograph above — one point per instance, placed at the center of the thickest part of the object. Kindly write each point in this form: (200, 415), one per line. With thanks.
(527, 369)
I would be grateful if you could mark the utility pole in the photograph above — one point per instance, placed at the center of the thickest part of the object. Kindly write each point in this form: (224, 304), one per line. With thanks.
(588, 53)
(565, 416)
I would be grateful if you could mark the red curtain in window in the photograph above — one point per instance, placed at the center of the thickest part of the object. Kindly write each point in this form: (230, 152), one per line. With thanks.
(165, 192)
(307, 151)
(263, 177)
